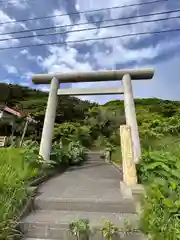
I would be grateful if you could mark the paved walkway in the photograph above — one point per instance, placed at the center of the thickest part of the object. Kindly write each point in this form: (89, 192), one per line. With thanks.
(91, 191)
(96, 179)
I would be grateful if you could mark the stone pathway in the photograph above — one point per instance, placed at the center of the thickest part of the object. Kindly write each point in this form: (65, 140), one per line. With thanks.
(91, 191)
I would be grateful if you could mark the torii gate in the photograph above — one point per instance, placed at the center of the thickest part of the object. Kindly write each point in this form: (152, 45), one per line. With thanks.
(54, 79)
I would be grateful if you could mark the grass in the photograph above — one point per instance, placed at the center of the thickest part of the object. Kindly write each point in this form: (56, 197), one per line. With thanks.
(116, 155)
(13, 189)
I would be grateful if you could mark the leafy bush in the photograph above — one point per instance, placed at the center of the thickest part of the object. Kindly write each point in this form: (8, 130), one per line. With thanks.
(159, 171)
(70, 154)
(159, 164)
(161, 213)
(31, 156)
(68, 132)
(100, 142)
(77, 153)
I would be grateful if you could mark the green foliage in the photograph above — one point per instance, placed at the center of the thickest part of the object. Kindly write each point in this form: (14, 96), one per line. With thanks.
(18, 167)
(77, 152)
(70, 154)
(80, 229)
(13, 188)
(101, 142)
(161, 212)
(159, 171)
(34, 102)
(81, 123)
(117, 155)
(109, 230)
(104, 120)
(32, 159)
(69, 132)
(159, 164)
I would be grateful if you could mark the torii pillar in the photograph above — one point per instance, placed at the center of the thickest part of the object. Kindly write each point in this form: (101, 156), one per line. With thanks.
(130, 114)
(50, 115)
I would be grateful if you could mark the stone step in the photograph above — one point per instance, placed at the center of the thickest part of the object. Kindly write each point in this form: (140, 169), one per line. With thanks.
(135, 236)
(36, 239)
(55, 224)
(119, 206)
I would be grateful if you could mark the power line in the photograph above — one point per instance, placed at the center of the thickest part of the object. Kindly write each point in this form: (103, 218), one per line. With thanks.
(93, 22)
(88, 11)
(89, 29)
(91, 39)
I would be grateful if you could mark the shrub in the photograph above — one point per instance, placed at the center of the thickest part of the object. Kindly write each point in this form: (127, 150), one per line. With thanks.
(68, 132)
(160, 216)
(60, 155)
(159, 171)
(76, 152)
(159, 164)
(101, 142)
(70, 154)
(30, 151)
(85, 136)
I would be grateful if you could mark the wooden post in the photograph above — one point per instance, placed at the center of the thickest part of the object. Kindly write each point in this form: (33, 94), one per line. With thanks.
(129, 168)
(130, 114)
(12, 133)
(24, 132)
(48, 127)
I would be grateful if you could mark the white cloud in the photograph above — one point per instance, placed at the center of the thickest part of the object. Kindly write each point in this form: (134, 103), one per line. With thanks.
(44, 88)
(27, 75)
(63, 59)
(60, 20)
(122, 55)
(8, 81)
(24, 52)
(11, 69)
(37, 40)
(8, 28)
(21, 5)
(26, 79)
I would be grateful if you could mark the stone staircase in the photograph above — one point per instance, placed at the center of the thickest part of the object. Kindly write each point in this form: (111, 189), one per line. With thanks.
(91, 191)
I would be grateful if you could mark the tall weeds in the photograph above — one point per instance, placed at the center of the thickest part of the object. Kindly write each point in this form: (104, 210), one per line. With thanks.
(159, 171)
(13, 189)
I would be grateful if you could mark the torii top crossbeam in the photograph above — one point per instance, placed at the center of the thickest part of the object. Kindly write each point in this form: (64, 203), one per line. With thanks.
(110, 75)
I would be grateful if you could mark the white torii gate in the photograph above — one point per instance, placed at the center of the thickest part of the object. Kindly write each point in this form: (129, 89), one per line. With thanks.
(95, 76)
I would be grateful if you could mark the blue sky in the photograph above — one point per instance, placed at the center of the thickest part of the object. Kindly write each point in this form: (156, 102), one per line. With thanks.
(159, 51)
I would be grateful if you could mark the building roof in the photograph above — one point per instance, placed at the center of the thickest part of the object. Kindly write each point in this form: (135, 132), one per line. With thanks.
(14, 111)
(18, 113)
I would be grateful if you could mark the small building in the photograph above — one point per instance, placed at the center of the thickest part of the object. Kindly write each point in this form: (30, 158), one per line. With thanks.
(13, 125)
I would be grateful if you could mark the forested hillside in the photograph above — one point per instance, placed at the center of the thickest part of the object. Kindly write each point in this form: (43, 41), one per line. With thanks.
(99, 122)
(34, 102)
